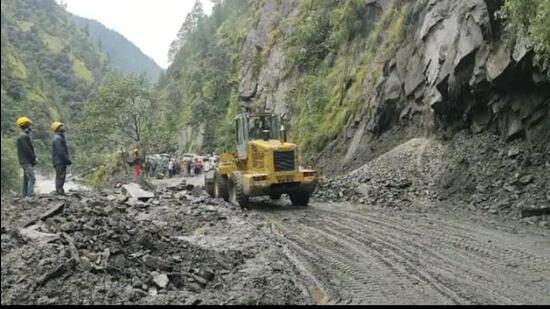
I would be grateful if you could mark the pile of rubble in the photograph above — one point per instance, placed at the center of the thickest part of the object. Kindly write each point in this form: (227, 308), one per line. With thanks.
(395, 179)
(499, 178)
(131, 246)
(479, 172)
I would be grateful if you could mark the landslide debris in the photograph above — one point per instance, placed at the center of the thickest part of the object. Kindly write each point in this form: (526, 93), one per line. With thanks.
(478, 172)
(109, 248)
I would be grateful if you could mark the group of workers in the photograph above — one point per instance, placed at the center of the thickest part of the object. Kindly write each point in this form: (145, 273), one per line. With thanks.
(27, 156)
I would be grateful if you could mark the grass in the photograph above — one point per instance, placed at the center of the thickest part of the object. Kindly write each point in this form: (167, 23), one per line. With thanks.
(18, 68)
(327, 97)
(80, 70)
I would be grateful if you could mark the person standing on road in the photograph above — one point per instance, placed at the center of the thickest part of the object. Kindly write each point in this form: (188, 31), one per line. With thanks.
(135, 162)
(60, 156)
(189, 168)
(26, 155)
(170, 168)
(177, 167)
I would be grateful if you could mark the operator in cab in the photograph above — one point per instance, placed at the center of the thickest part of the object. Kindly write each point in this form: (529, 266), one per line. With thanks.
(256, 130)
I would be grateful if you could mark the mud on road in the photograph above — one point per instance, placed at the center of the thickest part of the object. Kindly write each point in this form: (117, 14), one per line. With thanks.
(347, 254)
(181, 247)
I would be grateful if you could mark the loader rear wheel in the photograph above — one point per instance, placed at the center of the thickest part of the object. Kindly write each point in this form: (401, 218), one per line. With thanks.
(221, 187)
(299, 198)
(236, 190)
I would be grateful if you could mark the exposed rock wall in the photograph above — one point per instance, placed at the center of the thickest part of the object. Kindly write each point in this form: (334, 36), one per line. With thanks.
(191, 138)
(262, 78)
(456, 68)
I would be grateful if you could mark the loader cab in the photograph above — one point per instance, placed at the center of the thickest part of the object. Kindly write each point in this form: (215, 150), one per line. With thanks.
(255, 126)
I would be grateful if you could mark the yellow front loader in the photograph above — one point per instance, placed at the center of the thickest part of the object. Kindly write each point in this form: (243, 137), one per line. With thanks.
(264, 164)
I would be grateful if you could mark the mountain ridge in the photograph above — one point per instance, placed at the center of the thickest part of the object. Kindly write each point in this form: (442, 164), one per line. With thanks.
(123, 54)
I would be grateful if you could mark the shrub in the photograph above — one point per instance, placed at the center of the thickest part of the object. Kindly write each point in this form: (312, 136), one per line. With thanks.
(10, 167)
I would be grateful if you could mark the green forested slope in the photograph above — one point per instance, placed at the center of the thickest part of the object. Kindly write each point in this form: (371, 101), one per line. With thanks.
(200, 85)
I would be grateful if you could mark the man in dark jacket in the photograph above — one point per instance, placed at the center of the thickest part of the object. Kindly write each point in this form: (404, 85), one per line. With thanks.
(60, 156)
(26, 155)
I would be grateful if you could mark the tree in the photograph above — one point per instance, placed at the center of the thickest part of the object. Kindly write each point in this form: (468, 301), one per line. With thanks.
(121, 111)
(10, 167)
(192, 21)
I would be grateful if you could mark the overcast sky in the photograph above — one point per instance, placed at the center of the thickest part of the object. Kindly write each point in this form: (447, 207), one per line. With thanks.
(150, 24)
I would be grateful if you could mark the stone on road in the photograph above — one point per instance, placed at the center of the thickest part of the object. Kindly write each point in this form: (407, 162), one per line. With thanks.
(136, 192)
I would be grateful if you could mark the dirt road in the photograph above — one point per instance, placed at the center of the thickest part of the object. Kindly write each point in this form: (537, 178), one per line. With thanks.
(327, 253)
(46, 184)
(353, 255)
(357, 254)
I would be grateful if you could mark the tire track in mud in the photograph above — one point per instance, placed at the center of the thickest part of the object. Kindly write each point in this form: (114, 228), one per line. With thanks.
(400, 277)
(481, 266)
(334, 259)
(370, 258)
(428, 268)
(459, 238)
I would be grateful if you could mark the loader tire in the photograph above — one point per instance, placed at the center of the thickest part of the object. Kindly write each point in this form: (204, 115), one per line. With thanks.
(236, 190)
(275, 196)
(210, 185)
(221, 188)
(299, 198)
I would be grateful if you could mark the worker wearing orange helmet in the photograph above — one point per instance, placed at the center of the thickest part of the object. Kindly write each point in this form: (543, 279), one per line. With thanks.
(26, 155)
(60, 156)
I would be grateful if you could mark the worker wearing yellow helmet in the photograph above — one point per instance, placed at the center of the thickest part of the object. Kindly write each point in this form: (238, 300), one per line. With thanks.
(26, 155)
(60, 156)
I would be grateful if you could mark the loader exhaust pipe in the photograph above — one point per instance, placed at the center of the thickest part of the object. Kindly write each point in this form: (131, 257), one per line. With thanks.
(283, 134)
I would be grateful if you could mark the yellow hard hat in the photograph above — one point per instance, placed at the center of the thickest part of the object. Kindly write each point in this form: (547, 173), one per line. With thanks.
(136, 150)
(56, 125)
(23, 120)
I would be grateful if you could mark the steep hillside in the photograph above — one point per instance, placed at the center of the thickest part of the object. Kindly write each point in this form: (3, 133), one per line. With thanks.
(123, 54)
(48, 67)
(361, 76)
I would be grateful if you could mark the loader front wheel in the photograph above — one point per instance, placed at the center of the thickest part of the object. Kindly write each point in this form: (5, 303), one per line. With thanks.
(236, 190)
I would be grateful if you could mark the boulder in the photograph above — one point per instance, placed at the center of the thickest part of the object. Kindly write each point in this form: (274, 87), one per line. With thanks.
(161, 280)
(514, 152)
(499, 61)
(514, 128)
(31, 233)
(136, 192)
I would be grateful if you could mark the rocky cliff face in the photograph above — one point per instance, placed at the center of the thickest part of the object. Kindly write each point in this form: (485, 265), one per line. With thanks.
(454, 68)
(358, 77)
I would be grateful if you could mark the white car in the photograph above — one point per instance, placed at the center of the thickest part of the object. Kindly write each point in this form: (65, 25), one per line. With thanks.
(189, 156)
